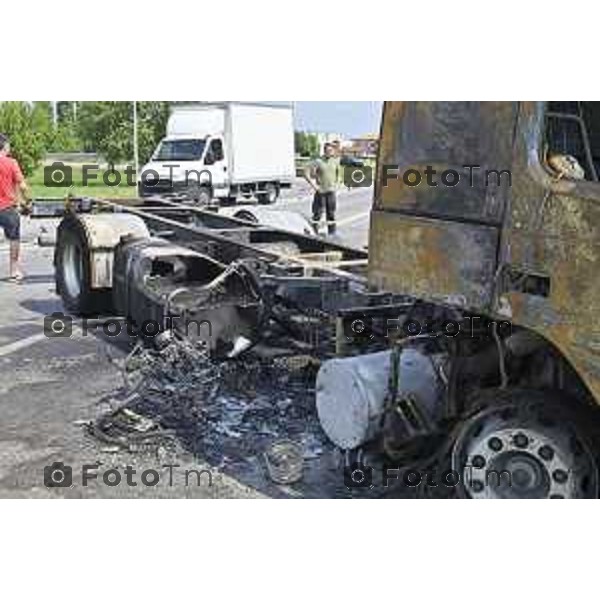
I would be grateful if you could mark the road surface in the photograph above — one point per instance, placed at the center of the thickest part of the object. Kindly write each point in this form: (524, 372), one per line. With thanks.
(353, 206)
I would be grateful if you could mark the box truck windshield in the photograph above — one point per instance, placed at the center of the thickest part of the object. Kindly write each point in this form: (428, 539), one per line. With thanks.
(180, 150)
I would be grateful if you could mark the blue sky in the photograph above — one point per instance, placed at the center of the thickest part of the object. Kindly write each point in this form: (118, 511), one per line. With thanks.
(348, 118)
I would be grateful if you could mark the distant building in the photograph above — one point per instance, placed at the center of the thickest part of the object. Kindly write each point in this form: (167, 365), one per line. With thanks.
(362, 147)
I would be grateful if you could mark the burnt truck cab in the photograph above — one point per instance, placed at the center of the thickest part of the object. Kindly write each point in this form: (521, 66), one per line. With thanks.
(510, 238)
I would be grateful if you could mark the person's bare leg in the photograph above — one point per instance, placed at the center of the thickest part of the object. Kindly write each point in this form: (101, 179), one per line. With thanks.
(15, 259)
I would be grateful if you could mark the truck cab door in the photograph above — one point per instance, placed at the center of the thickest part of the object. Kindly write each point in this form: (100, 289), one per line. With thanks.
(438, 240)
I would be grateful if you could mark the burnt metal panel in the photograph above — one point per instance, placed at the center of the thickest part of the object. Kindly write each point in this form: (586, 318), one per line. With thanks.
(448, 135)
(432, 259)
(553, 228)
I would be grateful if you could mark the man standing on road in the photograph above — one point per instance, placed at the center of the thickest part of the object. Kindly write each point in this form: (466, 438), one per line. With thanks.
(323, 174)
(13, 191)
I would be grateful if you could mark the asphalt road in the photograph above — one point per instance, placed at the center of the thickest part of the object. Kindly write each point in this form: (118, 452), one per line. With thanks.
(353, 206)
(49, 387)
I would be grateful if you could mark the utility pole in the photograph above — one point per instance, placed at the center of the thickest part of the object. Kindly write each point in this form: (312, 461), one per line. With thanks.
(136, 158)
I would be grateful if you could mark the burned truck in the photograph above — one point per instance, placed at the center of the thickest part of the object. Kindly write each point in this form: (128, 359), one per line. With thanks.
(467, 335)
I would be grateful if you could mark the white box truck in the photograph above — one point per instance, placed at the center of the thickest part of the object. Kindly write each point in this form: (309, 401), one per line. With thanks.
(223, 150)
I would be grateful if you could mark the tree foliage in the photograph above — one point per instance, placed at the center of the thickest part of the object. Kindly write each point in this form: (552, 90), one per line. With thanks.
(307, 144)
(102, 127)
(152, 125)
(107, 128)
(28, 128)
(65, 135)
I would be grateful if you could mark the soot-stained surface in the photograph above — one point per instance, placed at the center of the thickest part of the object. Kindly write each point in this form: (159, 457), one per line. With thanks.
(230, 414)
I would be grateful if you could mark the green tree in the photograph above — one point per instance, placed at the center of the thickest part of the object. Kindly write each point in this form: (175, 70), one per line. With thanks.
(152, 125)
(28, 128)
(65, 135)
(313, 145)
(107, 128)
(41, 118)
(65, 138)
(300, 143)
(307, 144)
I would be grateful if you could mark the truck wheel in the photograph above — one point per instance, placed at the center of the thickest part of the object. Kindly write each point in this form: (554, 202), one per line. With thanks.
(72, 272)
(200, 195)
(246, 215)
(280, 219)
(525, 444)
(269, 194)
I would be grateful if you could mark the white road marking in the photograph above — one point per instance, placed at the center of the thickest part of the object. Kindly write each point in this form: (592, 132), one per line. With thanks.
(20, 344)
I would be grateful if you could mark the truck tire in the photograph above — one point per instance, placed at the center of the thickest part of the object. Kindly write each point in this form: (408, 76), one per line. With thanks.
(280, 219)
(246, 215)
(86, 240)
(204, 196)
(200, 195)
(72, 272)
(544, 442)
(269, 194)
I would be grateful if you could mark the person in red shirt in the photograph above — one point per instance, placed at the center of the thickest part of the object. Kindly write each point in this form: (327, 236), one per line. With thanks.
(13, 191)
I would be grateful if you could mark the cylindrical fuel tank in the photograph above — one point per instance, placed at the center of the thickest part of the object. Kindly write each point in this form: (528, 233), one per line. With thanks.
(351, 392)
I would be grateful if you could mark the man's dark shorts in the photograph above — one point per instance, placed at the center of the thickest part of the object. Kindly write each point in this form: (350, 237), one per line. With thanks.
(10, 221)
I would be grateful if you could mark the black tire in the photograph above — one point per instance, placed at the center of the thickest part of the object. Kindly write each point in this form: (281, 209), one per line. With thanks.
(269, 194)
(200, 195)
(72, 272)
(246, 215)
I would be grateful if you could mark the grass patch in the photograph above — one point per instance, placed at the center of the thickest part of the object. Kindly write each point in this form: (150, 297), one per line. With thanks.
(96, 188)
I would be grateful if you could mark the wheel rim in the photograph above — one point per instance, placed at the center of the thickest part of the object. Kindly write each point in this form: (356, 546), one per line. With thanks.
(270, 193)
(504, 454)
(203, 197)
(72, 265)
(198, 195)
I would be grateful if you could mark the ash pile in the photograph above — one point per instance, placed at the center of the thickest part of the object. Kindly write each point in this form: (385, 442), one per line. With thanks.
(253, 418)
